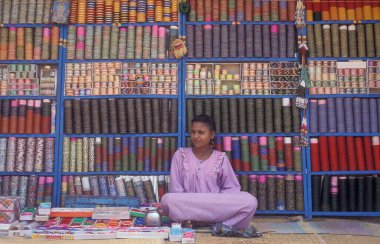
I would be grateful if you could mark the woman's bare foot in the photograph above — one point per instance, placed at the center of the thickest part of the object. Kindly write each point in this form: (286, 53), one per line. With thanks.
(187, 224)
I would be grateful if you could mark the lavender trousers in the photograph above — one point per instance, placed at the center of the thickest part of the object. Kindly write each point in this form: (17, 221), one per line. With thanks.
(234, 209)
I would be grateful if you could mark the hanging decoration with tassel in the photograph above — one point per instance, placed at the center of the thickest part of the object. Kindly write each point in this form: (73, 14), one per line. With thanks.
(301, 100)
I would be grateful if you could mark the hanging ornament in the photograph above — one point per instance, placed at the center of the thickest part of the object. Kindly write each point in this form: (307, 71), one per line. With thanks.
(178, 48)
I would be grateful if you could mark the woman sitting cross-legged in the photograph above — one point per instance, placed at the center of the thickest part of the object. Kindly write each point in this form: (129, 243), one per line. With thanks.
(204, 189)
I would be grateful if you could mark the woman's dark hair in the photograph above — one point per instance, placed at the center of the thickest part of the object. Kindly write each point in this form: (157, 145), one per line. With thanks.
(206, 119)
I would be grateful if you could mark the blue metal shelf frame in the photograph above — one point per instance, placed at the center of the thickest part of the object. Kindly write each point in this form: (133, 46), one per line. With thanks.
(182, 88)
(167, 173)
(306, 150)
(185, 60)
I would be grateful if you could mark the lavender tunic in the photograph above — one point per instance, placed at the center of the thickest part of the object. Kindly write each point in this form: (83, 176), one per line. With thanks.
(206, 191)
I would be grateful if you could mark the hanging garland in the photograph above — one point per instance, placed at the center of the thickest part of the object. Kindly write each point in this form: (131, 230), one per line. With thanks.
(184, 7)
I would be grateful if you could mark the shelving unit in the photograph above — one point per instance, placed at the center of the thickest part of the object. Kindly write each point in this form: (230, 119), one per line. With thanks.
(55, 133)
(182, 97)
(347, 173)
(240, 60)
(64, 61)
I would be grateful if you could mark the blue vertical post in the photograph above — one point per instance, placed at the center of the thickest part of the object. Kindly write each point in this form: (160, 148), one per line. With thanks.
(60, 117)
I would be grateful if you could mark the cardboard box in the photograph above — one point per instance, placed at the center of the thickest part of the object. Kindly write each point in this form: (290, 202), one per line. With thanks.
(9, 209)
(44, 208)
(144, 232)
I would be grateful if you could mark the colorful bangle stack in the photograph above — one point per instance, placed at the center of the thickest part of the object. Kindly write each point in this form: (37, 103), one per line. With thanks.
(342, 10)
(104, 116)
(345, 153)
(123, 11)
(29, 43)
(148, 189)
(106, 42)
(121, 78)
(98, 154)
(32, 190)
(223, 10)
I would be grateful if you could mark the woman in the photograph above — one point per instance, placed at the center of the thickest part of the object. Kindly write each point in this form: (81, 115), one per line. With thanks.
(203, 186)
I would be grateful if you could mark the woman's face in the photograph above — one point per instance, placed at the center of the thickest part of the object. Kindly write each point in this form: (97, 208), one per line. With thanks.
(201, 135)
